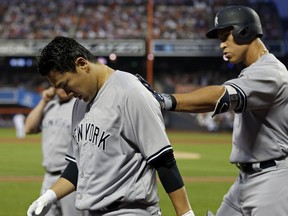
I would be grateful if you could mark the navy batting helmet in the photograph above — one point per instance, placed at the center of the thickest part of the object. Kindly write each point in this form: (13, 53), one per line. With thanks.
(244, 21)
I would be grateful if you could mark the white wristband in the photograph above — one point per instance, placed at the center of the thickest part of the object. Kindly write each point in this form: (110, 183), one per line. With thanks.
(51, 195)
(189, 213)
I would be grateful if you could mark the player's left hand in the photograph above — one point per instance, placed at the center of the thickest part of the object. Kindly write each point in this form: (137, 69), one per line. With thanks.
(166, 101)
(42, 205)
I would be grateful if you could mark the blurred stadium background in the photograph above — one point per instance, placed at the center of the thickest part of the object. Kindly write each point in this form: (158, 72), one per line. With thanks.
(163, 40)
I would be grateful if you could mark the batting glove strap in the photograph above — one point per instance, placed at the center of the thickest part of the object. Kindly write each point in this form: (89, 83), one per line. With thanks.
(42, 205)
(189, 213)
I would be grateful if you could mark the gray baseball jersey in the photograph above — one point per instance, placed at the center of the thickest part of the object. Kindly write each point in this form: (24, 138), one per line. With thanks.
(114, 139)
(56, 134)
(260, 129)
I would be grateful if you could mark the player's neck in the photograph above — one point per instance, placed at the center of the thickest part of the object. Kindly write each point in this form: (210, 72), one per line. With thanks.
(102, 73)
(106, 73)
(256, 50)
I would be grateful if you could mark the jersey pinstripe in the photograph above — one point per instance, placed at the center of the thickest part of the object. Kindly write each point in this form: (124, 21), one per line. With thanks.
(114, 139)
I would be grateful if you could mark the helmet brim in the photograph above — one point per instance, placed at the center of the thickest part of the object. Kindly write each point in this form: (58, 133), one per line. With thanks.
(213, 33)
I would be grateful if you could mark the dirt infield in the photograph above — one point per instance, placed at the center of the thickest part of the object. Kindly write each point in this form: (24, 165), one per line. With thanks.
(21, 178)
(186, 155)
(32, 140)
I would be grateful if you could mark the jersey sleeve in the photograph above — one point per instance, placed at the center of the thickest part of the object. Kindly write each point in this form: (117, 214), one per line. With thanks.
(256, 87)
(146, 124)
(70, 156)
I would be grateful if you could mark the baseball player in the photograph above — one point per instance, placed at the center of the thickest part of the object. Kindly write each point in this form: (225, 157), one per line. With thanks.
(19, 122)
(259, 99)
(52, 117)
(118, 143)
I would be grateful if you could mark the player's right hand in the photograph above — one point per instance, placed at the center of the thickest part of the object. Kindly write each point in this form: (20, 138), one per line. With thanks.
(42, 205)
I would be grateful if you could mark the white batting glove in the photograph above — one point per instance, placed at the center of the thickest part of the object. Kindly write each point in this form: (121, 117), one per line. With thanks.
(189, 213)
(42, 205)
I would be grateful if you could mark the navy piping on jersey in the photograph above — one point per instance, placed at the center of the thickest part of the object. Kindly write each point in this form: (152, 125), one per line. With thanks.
(69, 158)
(243, 98)
(160, 152)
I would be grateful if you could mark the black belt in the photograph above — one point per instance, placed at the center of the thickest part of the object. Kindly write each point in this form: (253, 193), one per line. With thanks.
(54, 173)
(251, 168)
(120, 205)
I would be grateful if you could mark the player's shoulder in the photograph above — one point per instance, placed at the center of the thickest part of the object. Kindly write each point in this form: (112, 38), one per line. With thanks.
(124, 82)
(268, 64)
(123, 78)
(128, 87)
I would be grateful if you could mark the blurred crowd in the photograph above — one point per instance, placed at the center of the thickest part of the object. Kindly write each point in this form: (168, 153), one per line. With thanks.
(29, 80)
(120, 19)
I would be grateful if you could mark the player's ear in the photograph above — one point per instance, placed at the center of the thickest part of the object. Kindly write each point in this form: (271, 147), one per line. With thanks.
(81, 62)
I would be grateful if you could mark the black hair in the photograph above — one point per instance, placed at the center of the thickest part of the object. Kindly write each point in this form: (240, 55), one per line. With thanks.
(60, 55)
